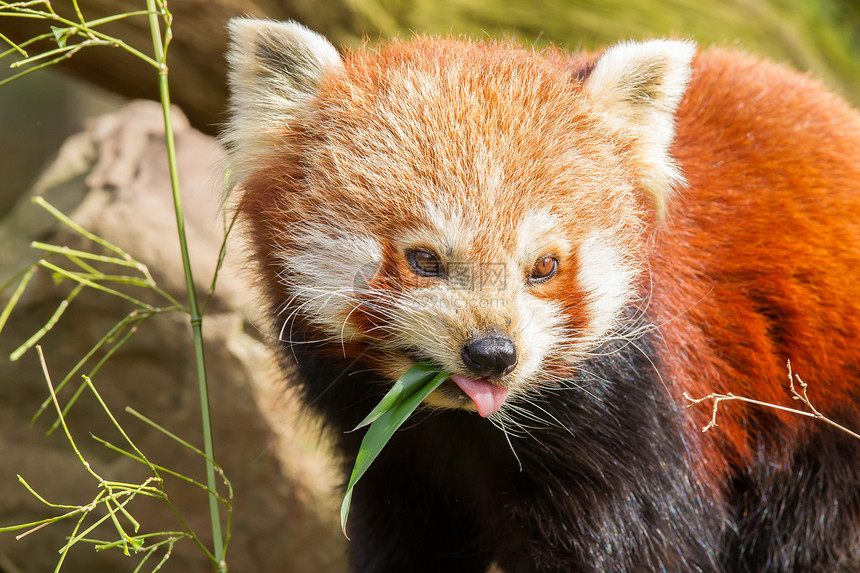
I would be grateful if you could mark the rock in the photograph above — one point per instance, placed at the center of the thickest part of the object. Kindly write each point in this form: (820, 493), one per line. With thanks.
(113, 180)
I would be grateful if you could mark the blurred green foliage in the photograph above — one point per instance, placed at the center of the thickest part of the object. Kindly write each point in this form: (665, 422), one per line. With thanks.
(821, 36)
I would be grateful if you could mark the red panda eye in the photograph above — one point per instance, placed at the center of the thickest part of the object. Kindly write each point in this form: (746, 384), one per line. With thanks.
(425, 262)
(544, 269)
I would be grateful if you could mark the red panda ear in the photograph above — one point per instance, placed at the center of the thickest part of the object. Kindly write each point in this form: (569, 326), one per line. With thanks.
(637, 87)
(274, 70)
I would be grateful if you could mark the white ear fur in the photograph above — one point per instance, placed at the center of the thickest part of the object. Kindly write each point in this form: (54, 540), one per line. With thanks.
(637, 87)
(274, 70)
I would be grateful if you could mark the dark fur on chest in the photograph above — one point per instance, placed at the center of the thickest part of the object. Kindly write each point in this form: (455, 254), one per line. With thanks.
(597, 477)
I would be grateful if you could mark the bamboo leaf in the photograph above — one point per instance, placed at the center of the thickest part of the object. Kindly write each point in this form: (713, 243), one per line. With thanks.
(399, 407)
(405, 386)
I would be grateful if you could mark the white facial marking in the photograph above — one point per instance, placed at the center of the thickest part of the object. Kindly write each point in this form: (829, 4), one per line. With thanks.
(537, 235)
(607, 278)
(325, 274)
(446, 230)
(540, 328)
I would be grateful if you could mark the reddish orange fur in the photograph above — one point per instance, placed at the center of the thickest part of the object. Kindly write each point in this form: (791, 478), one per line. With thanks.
(771, 217)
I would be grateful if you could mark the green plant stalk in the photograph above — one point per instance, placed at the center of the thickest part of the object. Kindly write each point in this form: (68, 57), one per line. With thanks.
(25, 280)
(82, 28)
(61, 308)
(196, 317)
(66, 251)
(71, 402)
(14, 45)
(65, 220)
(134, 318)
(160, 469)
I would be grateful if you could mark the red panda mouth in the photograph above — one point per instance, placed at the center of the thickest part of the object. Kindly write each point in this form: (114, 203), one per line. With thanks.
(488, 397)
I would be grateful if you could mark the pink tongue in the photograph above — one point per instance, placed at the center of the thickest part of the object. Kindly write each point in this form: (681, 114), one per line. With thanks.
(487, 396)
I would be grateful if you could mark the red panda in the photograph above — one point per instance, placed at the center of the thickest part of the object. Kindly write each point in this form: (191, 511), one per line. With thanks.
(579, 239)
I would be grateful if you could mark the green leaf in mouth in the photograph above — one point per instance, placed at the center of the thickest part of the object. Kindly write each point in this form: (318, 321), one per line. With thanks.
(395, 407)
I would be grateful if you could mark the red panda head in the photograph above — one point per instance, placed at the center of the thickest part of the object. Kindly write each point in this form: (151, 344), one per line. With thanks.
(476, 205)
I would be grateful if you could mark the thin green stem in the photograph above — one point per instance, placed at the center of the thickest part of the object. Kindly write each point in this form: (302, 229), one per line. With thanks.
(37, 525)
(78, 12)
(164, 431)
(43, 500)
(84, 265)
(19, 75)
(61, 308)
(83, 29)
(196, 450)
(29, 14)
(135, 317)
(14, 45)
(25, 280)
(82, 281)
(75, 537)
(107, 487)
(161, 469)
(20, 5)
(119, 427)
(65, 549)
(61, 51)
(66, 251)
(123, 279)
(222, 253)
(60, 414)
(165, 558)
(64, 219)
(19, 48)
(196, 317)
(149, 553)
(96, 368)
(115, 17)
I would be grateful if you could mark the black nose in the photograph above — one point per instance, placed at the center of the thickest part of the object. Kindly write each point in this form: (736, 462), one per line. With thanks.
(490, 355)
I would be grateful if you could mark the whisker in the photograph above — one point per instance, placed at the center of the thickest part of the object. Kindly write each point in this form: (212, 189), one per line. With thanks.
(511, 445)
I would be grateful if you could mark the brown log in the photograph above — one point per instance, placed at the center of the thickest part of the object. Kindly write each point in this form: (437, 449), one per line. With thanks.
(195, 54)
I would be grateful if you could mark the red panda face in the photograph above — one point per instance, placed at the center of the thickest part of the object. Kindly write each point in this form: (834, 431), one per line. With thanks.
(479, 208)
